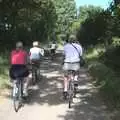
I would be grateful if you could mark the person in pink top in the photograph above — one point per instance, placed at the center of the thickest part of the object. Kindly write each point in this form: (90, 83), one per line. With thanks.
(18, 57)
(18, 61)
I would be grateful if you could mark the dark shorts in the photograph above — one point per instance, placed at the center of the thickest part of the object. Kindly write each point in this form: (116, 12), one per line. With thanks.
(52, 51)
(35, 63)
(18, 71)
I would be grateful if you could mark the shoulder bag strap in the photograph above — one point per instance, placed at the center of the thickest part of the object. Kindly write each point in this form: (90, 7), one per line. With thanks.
(76, 49)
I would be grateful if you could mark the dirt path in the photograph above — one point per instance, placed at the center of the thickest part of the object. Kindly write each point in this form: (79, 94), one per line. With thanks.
(46, 101)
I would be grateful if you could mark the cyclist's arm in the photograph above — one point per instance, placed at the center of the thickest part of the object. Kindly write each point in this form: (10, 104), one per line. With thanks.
(81, 51)
(27, 58)
(30, 54)
(63, 57)
(41, 53)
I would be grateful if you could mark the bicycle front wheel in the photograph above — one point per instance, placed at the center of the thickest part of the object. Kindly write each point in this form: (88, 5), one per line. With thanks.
(16, 97)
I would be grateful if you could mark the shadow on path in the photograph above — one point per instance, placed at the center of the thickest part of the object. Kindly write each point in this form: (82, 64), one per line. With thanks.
(87, 105)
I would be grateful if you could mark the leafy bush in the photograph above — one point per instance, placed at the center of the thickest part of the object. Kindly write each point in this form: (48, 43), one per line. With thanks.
(94, 52)
(116, 41)
(4, 67)
(108, 82)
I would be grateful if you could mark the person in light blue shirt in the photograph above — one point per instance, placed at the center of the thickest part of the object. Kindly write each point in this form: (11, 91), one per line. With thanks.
(72, 53)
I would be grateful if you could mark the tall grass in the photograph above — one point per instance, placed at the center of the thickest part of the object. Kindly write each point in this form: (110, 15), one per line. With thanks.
(4, 68)
(105, 77)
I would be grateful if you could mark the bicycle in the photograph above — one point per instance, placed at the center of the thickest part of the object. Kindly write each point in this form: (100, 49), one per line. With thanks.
(71, 87)
(35, 74)
(18, 93)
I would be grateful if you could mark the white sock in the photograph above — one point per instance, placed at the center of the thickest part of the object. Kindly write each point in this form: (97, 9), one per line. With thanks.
(65, 89)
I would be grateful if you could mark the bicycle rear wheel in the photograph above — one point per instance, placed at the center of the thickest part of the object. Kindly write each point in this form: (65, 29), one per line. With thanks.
(70, 94)
(17, 99)
(34, 77)
(38, 74)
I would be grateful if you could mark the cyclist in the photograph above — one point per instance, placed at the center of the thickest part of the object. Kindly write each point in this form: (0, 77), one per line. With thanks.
(36, 53)
(18, 60)
(53, 47)
(72, 51)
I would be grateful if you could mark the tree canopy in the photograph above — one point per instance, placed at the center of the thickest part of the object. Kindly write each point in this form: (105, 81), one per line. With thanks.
(45, 20)
(26, 20)
(67, 13)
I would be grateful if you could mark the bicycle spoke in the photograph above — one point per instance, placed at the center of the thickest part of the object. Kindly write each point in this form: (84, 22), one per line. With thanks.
(70, 93)
(16, 98)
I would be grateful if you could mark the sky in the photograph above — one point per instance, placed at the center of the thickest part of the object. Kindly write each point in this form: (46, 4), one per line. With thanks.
(103, 3)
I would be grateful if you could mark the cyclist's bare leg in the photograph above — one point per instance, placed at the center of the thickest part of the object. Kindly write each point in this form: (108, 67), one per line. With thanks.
(65, 83)
(26, 85)
(76, 78)
(66, 79)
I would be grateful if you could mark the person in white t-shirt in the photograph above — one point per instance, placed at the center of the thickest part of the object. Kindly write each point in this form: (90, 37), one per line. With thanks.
(53, 48)
(36, 52)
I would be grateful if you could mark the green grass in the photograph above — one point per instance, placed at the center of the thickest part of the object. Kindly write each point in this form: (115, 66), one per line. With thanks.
(4, 68)
(105, 77)
(93, 53)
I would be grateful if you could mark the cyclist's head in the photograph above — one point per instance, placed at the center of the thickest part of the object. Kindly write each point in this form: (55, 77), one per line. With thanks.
(35, 44)
(19, 45)
(72, 38)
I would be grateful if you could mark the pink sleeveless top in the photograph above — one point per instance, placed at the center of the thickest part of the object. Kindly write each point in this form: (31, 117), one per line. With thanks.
(18, 57)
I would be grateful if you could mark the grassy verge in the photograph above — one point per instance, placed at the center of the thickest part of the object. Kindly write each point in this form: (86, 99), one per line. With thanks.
(4, 78)
(105, 78)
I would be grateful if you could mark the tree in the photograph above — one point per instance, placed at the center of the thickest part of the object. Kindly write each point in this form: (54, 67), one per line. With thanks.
(88, 11)
(92, 25)
(26, 20)
(66, 11)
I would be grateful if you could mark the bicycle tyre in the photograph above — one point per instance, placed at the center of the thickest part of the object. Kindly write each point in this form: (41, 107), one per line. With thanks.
(70, 94)
(18, 96)
(33, 77)
(38, 75)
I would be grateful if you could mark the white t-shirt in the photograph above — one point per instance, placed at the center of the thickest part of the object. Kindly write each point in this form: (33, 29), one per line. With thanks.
(71, 54)
(36, 53)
